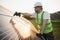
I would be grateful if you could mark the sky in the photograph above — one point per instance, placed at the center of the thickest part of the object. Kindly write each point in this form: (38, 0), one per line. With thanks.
(28, 5)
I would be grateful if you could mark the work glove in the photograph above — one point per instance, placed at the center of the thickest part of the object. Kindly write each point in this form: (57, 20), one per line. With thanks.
(40, 36)
(17, 14)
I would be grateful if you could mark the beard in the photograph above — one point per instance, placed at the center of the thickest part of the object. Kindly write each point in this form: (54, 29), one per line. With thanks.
(38, 11)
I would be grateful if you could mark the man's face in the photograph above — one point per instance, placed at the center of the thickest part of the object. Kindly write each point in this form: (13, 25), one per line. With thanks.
(38, 9)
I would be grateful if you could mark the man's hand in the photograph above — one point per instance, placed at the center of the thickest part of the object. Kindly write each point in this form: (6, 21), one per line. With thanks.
(39, 34)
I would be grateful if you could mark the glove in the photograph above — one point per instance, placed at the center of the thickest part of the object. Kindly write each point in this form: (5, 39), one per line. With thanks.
(40, 36)
(17, 14)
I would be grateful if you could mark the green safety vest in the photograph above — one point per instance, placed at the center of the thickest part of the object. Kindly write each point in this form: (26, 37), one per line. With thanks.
(48, 27)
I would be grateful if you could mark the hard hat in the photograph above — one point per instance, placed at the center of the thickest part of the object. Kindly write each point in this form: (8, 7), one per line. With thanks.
(37, 4)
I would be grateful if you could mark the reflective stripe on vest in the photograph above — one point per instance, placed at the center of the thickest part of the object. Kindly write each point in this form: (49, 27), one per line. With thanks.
(48, 25)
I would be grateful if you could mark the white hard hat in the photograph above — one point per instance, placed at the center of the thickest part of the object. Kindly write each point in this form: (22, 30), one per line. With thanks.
(37, 4)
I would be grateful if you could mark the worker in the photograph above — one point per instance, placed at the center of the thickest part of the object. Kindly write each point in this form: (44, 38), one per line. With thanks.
(44, 22)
